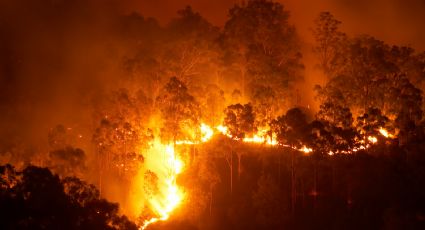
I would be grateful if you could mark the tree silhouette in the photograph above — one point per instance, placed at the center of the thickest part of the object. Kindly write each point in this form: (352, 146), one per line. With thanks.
(239, 119)
(330, 44)
(265, 106)
(262, 46)
(68, 162)
(36, 199)
(179, 110)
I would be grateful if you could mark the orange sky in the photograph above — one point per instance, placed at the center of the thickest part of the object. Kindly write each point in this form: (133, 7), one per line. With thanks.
(395, 21)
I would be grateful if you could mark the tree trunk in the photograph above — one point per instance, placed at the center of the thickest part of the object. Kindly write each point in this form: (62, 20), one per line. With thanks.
(230, 164)
(231, 172)
(293, 191)
(278, 168)
(239, 166)
(315, 186)
(303, 192)
(333, 175)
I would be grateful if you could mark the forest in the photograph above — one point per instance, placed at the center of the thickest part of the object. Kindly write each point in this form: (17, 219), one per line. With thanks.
(115, 120)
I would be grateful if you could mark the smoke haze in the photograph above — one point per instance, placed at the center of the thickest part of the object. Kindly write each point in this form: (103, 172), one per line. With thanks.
(56, 54)
(395, 21)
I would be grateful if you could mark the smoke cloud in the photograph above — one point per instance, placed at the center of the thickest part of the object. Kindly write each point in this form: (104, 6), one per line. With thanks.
(54, 55)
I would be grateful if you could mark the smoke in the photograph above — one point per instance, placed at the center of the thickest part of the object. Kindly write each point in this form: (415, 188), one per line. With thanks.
(56, 54)
(397, 22)
(51, 59)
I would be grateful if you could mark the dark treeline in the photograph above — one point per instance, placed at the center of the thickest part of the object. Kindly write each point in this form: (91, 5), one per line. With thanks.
(37, 199)
(381, 188)
(142, 81)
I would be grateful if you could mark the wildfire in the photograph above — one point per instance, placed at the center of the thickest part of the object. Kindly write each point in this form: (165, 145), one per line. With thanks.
(372, 139)
(165, 163)
(261, 137)
(305, 149)
(169, 166)
(207, 132)
(170, 195)
(254, 139)
(224, 130)
(385, 133)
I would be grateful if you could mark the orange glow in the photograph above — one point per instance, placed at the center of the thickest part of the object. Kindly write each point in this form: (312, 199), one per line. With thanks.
(163, 160)
(171, 195)
(185, 142)
(224, 130)
(305, 149)
(385, 133)
(260, 137)
(165, 163)
(206, 132)
(254, 139)
(372, 139)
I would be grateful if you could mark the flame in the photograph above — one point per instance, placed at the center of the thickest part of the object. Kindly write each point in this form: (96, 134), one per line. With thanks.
(166, 164)
(385, 133)
(261, 137)
(224, 130)
(207, 132)
(254, 139)
(171, 196)
(372, 139)
(305, 149)
(186, 142)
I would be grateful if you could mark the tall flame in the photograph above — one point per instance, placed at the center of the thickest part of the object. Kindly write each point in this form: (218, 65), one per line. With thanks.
(207, 132)
(165, 163)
